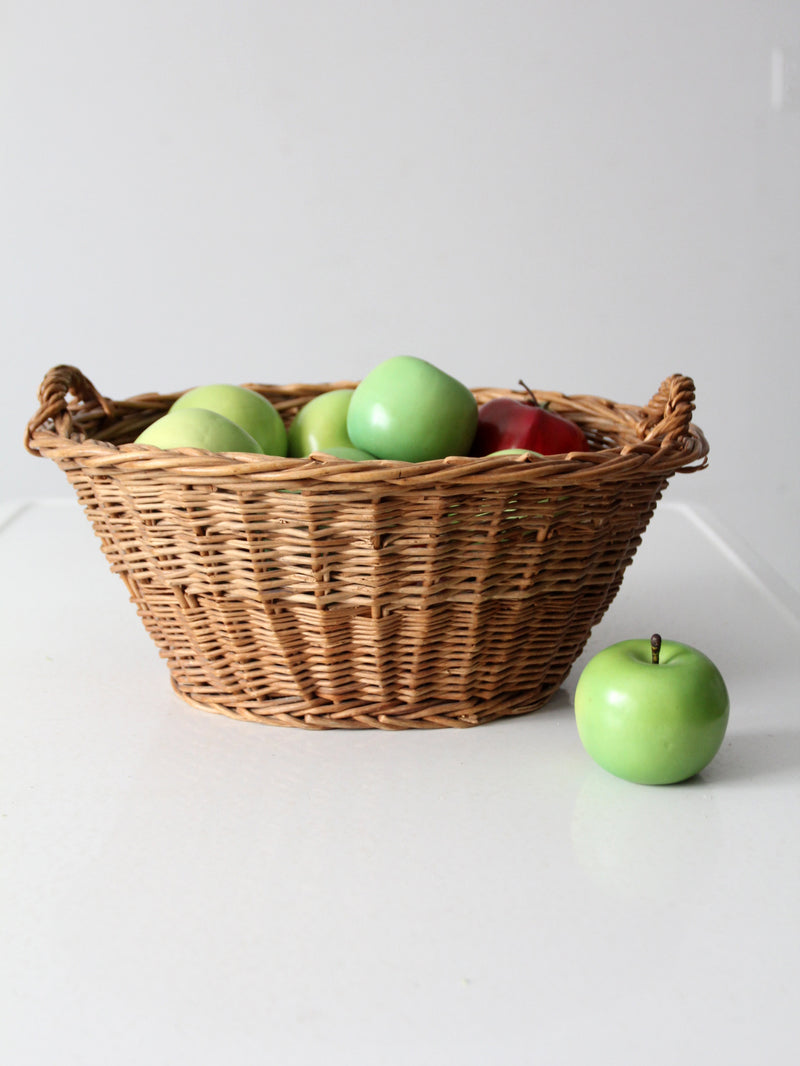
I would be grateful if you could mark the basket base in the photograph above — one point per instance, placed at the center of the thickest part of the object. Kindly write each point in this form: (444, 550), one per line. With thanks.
(324, 714)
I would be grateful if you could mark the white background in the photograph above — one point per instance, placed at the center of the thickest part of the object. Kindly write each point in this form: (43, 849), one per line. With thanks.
(592, 196)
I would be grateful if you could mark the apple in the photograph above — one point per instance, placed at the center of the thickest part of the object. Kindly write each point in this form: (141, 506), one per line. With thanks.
(651, 711)
(195, 427)
(516, 451)
(247, 408)
(406, 408)
(341, 451)
(321, 424)
(506, 423)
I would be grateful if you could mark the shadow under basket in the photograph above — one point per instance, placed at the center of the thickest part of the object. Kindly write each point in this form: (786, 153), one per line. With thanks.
(325, 593)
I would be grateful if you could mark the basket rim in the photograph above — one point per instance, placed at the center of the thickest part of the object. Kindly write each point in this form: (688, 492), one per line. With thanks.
(662, 440)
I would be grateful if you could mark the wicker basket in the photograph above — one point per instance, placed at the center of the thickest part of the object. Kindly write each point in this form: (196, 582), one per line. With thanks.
(330, 594)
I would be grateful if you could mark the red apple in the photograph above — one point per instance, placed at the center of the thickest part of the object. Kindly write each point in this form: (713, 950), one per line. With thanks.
(509, 423)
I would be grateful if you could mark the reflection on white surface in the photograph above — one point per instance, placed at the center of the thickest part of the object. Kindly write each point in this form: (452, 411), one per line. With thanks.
(656, 845)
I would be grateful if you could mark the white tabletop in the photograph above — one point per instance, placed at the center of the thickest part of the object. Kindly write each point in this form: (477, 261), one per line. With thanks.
(180, 887)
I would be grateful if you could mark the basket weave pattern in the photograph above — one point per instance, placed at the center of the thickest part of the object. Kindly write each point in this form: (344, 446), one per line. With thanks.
(329, 594)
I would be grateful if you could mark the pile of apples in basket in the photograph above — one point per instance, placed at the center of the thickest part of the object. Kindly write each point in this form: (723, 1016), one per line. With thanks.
(405, 409)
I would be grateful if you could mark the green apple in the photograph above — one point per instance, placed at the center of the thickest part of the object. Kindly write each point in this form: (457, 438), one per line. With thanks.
(516, 451)
(247, 408)
(195, 427)
(321, 424)
(652, 712)
(343, 452)
(406, 408)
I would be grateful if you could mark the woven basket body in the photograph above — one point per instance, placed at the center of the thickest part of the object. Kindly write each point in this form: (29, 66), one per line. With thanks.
(330, 594)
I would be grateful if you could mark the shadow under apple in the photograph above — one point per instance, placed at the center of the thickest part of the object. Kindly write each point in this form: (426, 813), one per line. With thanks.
(756, 757)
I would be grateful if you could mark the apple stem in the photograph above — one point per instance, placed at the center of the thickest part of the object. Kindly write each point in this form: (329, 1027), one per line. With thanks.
(655, 647)
(533, 399)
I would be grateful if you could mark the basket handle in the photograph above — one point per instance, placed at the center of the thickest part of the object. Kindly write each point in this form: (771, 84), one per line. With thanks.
(668, 416)
(58, 384)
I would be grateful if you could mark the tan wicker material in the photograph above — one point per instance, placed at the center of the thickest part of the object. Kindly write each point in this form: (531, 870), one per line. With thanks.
(325, 593)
